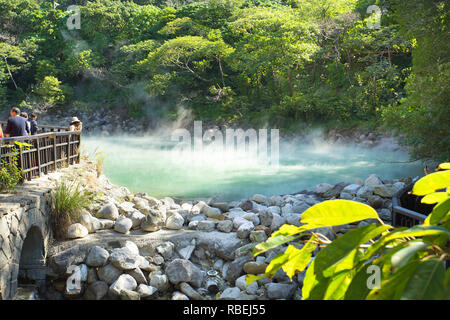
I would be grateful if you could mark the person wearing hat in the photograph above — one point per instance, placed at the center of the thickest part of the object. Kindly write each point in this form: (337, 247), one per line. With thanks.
(75, 125)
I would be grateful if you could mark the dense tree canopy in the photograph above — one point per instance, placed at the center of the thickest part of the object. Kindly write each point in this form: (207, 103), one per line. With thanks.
(278, 62)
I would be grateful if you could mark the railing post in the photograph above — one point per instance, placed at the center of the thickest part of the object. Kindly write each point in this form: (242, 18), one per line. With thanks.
(38, 142)
(68, 149)
(54, 152)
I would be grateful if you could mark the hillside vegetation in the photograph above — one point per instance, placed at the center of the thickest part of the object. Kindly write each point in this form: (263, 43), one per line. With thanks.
(281, 63)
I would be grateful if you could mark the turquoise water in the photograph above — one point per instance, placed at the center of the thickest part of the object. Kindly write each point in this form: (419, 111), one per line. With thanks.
(156, 166)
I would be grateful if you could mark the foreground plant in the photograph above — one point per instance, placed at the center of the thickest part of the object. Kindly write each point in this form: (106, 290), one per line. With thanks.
(376, 261)
(68, 199)
(10, 172)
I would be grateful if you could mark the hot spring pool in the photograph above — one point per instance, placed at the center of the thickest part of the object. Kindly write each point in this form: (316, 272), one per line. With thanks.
(152, 164)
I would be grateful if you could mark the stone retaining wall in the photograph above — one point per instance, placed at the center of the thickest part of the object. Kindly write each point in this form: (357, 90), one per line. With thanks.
(24, 235)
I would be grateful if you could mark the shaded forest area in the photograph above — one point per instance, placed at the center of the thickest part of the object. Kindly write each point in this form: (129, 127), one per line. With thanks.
(280, 63)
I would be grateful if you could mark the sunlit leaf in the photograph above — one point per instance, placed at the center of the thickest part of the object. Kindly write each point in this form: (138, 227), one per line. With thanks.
(299, 258)
(444, 166)
(431, 183)
(435, 197)
(337, 212)
(439, 213)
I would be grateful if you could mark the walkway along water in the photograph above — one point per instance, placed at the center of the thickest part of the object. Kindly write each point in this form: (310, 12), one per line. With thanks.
(25, 215)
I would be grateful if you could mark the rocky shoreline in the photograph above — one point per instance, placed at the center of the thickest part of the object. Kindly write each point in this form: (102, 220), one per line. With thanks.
(134, 246)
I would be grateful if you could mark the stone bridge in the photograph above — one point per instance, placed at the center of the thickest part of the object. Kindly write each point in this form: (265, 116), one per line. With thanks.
(24, 235)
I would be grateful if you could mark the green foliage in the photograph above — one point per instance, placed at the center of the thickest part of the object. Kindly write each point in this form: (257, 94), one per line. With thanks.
(284, 63)
(49, 89)
(68, 198)
(410, 261)
(10, 172)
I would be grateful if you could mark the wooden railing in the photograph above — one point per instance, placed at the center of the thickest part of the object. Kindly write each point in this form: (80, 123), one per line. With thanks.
(52, 148)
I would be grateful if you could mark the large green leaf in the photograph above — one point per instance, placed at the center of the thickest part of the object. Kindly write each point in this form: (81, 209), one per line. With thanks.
(336, 212)
(435, 197)
(401, 257)
(337, 250)
(314, 285)
(439, 213)
(432, 182)
(427, 281)
(338, 285)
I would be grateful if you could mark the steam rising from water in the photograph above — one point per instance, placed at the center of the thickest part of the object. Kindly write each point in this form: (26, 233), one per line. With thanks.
(152, 164)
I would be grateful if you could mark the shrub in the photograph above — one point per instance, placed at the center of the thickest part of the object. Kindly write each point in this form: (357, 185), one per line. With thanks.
(375, 261)
(67, 201)
(10, 172)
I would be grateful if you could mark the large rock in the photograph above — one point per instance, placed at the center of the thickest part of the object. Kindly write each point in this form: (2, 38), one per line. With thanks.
(138, 275)
(206, 225)
(109, 211)
(126, 208)
(123, 225)
(190, 292)
(91, 223)
(322, 188)
(336, 190)
(242, 284)
(154, 220)
(385, 190)
(372, 181)
(124, 259)
(244, 230)
(77, 230)
(136, 218)
(225, 226)
(365, 192)
(97, 257)
(175, 221)
(213, 213)
(160, 282)
(126, 294)
(108, 273)
(124, 282)
(96, 291)
(165, 249)
(236, 268)
(259, 198)
(280, 290)
(230, 294)
(352, 189)
(181, 270)
(146, 291)
(253, 267)
(105, 224)
(277, 222)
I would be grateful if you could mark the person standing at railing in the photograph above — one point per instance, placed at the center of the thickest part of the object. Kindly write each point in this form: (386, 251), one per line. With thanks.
(16, 126)
(75, 125)
(1, 132)
(24, 115)
(33, 124)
